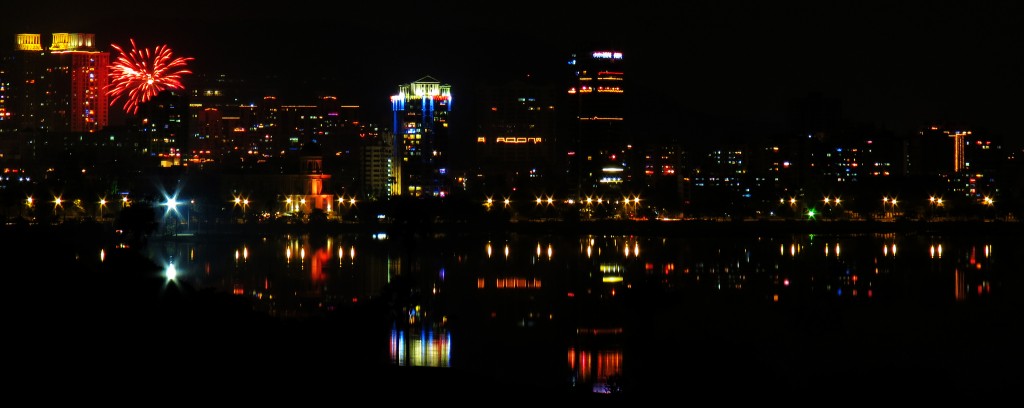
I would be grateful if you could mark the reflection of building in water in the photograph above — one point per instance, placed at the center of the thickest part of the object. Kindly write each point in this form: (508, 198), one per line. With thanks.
(600, 369)
(423, 347)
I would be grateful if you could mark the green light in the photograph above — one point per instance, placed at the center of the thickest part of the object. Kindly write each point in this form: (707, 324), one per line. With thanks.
(811, 213)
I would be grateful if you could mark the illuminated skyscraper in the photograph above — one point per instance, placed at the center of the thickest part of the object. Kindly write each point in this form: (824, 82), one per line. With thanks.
(60, 88)
(599, 148)
(420, 111)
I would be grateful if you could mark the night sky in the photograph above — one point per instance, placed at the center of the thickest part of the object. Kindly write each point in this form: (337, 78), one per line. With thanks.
(695, 68)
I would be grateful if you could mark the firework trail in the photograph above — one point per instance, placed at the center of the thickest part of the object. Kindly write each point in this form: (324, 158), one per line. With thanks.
(140, 74)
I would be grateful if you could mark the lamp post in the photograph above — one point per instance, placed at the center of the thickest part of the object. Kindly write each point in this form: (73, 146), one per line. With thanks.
(103, 203)
(891, 203)
(933, 204)
(58, 202)
(28, 203)
(990, 203)
(188, 216)
(172, 206)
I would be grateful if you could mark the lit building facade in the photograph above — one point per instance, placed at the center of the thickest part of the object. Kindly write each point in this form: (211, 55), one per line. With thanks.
(420, 123)
(937, 152)
(61, 88)
(161, 123)
(515, 138)
(377, 163)
(599, 148)
(5, 94)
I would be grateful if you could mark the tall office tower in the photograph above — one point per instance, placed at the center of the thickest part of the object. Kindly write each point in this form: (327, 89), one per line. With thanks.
(599, 147)
(61, 88)
(515, 137)
(420, 116)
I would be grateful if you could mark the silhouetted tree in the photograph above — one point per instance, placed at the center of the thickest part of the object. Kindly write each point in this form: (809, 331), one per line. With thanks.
(137, 222)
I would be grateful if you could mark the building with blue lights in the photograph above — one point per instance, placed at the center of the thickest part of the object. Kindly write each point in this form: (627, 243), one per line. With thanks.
(420, 112)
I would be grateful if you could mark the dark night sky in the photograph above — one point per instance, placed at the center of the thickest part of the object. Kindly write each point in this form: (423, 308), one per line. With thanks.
(735, 65)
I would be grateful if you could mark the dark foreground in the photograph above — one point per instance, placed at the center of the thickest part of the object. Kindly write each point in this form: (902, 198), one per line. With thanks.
(118, 331)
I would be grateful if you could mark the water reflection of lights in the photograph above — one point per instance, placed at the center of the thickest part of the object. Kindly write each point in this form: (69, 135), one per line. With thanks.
(103, 255)
(599, 368)
(935, 251)
(427, 347)
(606, 268)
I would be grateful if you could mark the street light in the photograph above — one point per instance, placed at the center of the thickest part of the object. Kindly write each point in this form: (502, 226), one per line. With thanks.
(243, 202)
(58, 202)
(172, 206)
(103, 202)
(28, 203)
(933, 203)
(892, 203)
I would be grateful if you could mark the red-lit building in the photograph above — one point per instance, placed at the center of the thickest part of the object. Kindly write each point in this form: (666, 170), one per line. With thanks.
(61, 88)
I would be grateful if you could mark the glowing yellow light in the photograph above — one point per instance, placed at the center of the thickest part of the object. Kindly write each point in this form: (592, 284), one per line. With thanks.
(611, 279)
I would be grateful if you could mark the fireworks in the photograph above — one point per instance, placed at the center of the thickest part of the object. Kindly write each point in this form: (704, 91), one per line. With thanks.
(140, 74)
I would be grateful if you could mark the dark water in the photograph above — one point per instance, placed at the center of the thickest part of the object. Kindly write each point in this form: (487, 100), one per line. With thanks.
(495, 318)
(746, 317)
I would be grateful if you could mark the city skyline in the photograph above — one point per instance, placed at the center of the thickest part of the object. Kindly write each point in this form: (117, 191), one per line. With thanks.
(728, 68)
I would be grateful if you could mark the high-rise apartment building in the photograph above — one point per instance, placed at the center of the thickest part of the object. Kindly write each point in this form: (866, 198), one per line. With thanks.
(61, 88)
(598, 145)
(420, 122)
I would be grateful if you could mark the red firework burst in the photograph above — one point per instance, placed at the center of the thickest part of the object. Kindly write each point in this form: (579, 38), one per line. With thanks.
(140, 74)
